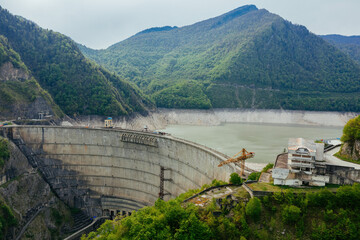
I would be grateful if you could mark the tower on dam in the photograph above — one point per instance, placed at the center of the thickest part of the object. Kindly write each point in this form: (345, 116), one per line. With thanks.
(104, 171)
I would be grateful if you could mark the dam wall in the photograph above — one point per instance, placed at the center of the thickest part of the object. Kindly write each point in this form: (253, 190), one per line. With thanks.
(105, 171)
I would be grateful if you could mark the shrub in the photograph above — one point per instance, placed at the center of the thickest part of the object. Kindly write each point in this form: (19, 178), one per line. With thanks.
(267, 167)
(235, 179)
(4, 151)
(291, 214)
(253, 209)
(351, 130)
(254, 176)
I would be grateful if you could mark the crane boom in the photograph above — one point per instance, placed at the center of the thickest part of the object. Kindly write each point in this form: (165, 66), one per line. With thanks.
(244, 155)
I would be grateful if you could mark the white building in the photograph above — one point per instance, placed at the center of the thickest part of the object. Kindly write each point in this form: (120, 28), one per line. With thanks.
(303, 154)
(301, 165)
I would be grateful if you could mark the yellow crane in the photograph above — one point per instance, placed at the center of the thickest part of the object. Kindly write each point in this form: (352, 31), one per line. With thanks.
(244, 155)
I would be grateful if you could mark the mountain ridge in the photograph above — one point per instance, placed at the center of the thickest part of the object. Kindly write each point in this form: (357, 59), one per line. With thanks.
(77, 85)
(350, 45)
(251, 49)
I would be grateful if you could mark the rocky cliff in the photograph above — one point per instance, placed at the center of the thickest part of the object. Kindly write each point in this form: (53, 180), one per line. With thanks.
(351, 150)
(21, 96)
(31, 200)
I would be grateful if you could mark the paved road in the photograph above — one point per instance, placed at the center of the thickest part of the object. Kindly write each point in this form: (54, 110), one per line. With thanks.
(336, 161)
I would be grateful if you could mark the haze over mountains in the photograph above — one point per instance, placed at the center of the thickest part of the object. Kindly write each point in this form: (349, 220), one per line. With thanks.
(246, 58)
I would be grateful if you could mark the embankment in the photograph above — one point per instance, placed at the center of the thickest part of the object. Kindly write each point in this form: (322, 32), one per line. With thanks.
(162, 117)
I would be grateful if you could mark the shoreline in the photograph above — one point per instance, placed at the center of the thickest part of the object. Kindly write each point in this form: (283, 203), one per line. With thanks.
(161, 118)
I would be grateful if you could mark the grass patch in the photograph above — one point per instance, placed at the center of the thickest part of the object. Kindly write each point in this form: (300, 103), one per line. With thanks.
(241, 193)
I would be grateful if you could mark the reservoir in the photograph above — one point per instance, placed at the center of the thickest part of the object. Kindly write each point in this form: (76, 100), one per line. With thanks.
(266, 140)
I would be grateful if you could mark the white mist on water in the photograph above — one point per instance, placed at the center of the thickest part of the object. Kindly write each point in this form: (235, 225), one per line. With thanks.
(266, 140)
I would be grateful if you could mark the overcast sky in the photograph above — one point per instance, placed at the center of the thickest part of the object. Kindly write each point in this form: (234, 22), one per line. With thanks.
(101, 23)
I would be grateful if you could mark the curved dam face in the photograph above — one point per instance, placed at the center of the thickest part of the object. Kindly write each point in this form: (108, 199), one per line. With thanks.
(104, 171)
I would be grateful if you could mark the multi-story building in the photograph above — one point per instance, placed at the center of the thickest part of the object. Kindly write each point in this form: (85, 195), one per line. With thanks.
(303, 154)
(302, 165)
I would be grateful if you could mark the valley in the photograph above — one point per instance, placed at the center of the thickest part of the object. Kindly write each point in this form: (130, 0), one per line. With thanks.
(135, 133)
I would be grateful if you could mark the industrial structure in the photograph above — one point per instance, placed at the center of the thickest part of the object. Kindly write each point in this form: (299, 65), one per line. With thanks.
(103, 171)
(108, 123)
(304, 164)
(244, 155)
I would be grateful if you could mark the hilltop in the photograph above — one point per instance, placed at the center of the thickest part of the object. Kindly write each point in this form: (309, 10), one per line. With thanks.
(78, 86)
(246, 58)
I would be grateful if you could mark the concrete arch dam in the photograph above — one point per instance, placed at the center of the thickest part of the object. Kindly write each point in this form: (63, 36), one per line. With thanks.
(104, 171)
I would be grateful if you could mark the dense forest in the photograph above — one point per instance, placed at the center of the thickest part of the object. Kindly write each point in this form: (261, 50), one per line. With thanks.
(247, 58)
(18, 89)
(282, 215)
(77, 85)
(349, 45)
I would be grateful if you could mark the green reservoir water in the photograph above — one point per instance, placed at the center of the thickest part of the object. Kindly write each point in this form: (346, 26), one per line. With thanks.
(266, 140)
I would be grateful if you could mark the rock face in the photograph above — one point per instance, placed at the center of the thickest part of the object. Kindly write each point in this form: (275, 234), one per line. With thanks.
(24, 190)
(20, 95)
(351, 150)
(9, 73)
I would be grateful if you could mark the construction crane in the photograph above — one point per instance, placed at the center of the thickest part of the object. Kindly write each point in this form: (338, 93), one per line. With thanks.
(244, 155)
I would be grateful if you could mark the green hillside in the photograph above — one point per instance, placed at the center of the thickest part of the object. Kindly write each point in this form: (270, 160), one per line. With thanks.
(311, 214)
(349, 45)
(77, 85)
(20, 94)
(246, 58)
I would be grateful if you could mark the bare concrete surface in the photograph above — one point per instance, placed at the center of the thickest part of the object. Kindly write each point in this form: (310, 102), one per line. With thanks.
(110, 170)
(160, 118)
(336, 161)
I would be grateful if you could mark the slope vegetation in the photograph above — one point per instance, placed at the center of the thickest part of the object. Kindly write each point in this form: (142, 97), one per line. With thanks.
(77, 85)
(246, 58)
(282, 215)
(349, 45)
(20, 94)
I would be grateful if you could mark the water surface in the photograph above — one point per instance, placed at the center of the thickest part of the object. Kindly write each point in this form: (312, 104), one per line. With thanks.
(266, 140)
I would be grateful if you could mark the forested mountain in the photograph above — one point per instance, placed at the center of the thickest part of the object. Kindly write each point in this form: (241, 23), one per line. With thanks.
(247, 58)
(77, 85)
(20, 94)
(349, 45)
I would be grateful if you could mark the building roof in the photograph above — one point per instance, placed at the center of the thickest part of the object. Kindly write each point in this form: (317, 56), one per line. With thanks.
(296, 143)
(282, 161)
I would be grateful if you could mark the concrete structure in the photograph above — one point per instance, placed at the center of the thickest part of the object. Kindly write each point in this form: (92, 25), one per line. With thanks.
(104, 171)
(304, 164)
(108, 123)
(304, 159)
(303, 154)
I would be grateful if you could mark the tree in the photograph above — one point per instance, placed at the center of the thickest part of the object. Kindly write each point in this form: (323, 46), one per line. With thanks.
(253, 209)
(351, 130)
(291, 214)
(235, 179)
(193, 228)
(254, 176)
